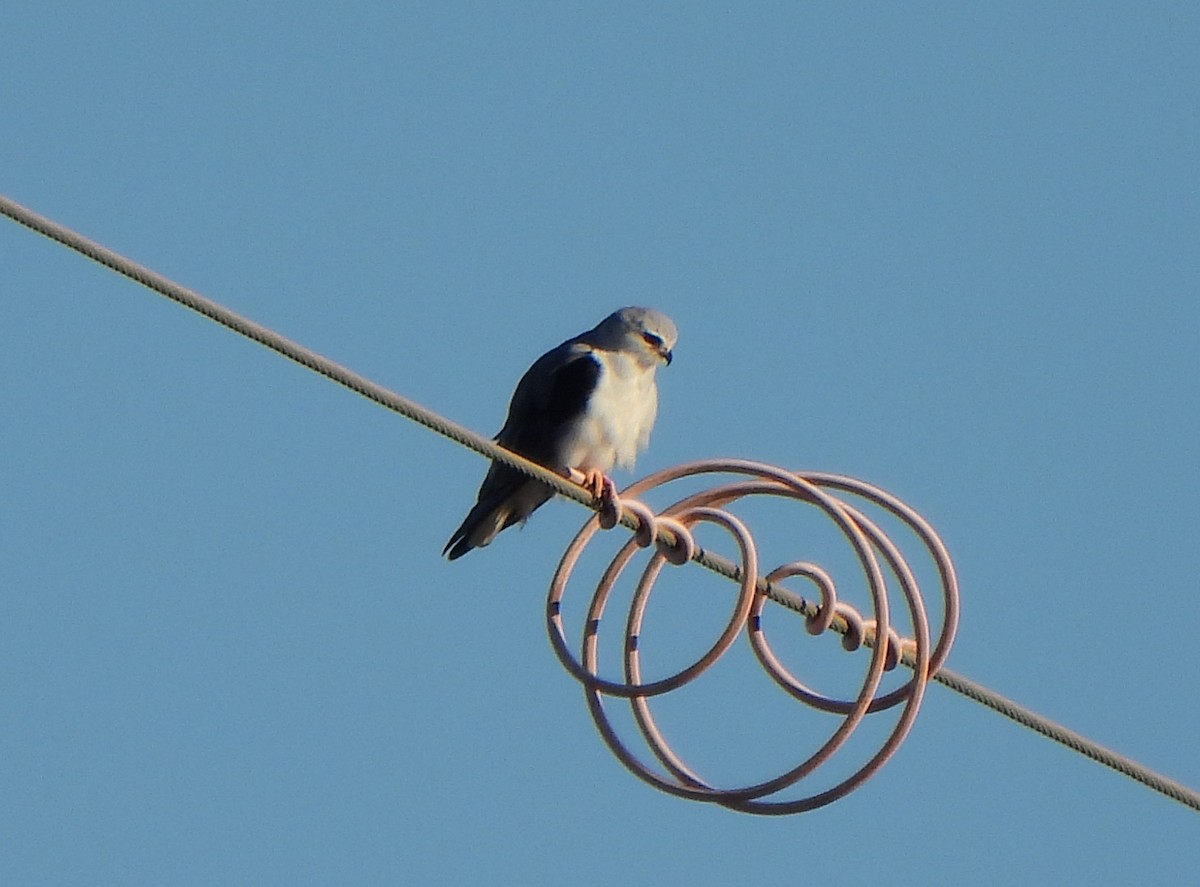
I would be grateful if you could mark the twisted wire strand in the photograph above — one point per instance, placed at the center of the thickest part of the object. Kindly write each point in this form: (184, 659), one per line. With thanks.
(1065, 736)
(280, 344)
(630, 517)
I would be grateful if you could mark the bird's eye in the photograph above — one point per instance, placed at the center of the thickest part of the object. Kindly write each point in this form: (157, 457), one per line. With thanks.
(652, 340)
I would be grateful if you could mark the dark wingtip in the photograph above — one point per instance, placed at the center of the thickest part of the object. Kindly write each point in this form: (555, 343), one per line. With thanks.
(456, 547)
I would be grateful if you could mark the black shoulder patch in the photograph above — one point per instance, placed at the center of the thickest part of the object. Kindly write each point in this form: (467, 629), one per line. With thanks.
(573, 385)
(547, 401)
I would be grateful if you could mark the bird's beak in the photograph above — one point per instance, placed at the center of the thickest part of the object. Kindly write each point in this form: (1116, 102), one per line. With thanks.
(667, 355)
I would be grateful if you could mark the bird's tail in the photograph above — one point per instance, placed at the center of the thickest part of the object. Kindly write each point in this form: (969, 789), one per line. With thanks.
(509, 505)
(479, 528)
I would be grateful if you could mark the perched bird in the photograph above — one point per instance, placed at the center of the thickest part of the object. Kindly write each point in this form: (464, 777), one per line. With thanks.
(588, 404)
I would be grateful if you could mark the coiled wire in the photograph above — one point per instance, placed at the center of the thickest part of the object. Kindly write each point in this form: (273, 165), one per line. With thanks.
(877, 555)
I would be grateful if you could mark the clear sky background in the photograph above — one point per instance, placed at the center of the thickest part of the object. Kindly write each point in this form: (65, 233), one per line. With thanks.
(950, 248)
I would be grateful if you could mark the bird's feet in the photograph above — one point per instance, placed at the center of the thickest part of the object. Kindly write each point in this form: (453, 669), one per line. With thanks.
(604, 494)
(600, 485)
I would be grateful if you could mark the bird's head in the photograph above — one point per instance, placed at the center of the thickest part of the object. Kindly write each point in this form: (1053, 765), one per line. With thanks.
(646, 334)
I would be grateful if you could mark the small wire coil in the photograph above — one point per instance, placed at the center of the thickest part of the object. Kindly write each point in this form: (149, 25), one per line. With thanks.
(874, 550)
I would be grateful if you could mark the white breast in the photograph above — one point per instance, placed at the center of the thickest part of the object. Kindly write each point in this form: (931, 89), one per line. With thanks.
(616, 425)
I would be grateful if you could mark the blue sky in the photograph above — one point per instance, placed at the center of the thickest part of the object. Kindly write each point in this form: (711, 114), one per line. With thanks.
(949, 248)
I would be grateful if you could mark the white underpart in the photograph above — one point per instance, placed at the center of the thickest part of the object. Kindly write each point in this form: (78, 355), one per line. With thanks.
(616, 423)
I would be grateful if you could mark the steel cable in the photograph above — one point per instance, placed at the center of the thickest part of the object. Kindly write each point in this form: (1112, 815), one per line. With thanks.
(671, 535)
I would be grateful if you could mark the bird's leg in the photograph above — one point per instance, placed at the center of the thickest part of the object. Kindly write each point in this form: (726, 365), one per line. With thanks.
(600, 485)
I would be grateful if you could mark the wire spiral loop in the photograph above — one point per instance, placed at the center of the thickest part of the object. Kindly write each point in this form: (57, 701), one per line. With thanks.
(671, 533)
